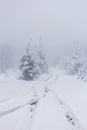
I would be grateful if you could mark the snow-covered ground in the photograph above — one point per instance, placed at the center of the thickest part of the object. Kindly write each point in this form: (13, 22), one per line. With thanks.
(55, 101)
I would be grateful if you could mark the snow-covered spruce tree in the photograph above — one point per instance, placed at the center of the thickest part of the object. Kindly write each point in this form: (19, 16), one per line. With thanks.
(28, 65)
(41, 62)
(75, 63)
(33, 63)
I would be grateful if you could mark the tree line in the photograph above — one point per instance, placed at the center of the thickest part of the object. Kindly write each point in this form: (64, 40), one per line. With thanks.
(32, 64)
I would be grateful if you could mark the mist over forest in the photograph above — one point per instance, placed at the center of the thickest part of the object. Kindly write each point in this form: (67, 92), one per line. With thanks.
(60, 24)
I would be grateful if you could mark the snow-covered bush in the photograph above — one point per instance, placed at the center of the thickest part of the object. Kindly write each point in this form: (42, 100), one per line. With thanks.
(78, 66)
(75, 63)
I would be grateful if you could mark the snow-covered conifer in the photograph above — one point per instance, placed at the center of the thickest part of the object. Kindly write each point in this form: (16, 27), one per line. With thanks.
(28, 65)
(33, 63)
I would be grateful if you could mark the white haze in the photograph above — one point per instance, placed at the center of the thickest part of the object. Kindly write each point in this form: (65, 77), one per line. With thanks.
(60, 23)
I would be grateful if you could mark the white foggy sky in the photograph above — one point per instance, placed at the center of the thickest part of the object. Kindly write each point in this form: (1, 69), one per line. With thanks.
(58, 22)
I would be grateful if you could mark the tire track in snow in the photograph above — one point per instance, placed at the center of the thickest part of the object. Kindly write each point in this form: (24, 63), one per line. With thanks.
(4, 100)
(13, 98)
(4, 113)
(25, 94)
(69, 115)
(24, 122)
(31, 102)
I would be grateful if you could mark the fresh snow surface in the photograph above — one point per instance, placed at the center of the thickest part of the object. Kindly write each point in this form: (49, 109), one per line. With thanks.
(50, 116)
(55, 101)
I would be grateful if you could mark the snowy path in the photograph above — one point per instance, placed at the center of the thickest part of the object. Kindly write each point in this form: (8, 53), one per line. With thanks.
(69, 116)
(44, 110)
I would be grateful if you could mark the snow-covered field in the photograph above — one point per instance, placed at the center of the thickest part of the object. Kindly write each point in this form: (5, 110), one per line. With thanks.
(55, 101)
